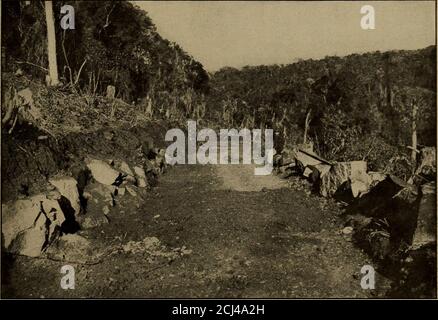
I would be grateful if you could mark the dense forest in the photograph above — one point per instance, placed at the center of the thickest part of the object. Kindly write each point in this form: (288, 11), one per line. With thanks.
(356, 107)
(113, 43)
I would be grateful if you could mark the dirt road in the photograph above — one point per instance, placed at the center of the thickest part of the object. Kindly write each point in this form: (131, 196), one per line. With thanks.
(223, 232)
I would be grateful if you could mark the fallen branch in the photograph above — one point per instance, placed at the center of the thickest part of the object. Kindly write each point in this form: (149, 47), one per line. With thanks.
(13, 124)
(32, 64)
(79, 72)
(315, 157)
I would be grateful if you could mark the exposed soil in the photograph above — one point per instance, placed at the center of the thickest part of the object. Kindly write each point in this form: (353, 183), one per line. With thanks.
(224, 233)
(28, 162)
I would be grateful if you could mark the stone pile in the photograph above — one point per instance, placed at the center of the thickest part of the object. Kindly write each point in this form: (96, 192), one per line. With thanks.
(409, 208)
(31, 224)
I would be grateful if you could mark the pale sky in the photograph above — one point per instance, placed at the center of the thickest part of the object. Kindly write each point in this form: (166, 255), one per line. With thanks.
(243, 33)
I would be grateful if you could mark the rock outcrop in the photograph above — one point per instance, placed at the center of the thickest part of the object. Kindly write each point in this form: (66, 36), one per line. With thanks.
(68, 187)
(30, 225)
(339, 173)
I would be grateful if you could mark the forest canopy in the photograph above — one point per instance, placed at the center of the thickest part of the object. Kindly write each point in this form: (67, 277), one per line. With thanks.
(113, 43)
(360, 105)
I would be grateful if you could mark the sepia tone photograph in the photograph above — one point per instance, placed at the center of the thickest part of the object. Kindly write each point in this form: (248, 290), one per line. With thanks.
(218, 149)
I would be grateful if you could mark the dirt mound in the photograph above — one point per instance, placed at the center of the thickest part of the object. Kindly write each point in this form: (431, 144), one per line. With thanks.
(51, 131)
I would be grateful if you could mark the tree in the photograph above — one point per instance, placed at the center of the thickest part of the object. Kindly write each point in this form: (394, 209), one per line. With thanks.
(53, 79)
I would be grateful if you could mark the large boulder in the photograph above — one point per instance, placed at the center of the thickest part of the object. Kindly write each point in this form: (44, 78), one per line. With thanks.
(123, 167)
(99, 198)
(29, 225)
(357, 186)
(103, 172)
(340, 173)
(426, 230)
(375, 203)
(68, 187)
(394, 201)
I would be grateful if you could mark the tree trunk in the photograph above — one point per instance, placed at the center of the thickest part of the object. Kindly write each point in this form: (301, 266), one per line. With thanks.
(51, 44)
(306, 125)
(414, 136)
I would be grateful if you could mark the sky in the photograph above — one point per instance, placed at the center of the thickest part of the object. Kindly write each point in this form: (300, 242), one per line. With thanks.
(239, 33)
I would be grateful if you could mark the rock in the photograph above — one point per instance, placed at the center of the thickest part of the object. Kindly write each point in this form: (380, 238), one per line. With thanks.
(98, 197)
(105, 210)
(358, 187)
(139, 172)
(29, 225)
(71, 247)
(131, 191)
(307, 172)
(123, 167)
(129, 176)
(141, 177)
(103, 172)
(68, 188)
(53, 195)
(347, 230)
(375, 178)
(305, 160)
(100, 193)
(317, 171)
(121, 191)
(126, 169)
(427, 163)
(394, 201)
(426, 228)
(142, 183)
(339, 173)
(322, 168)
(375, 203)
(402, 216)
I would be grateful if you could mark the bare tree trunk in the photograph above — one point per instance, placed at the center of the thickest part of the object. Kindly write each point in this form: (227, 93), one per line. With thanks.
(414, 136)
(51, 44)
(306, 125)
